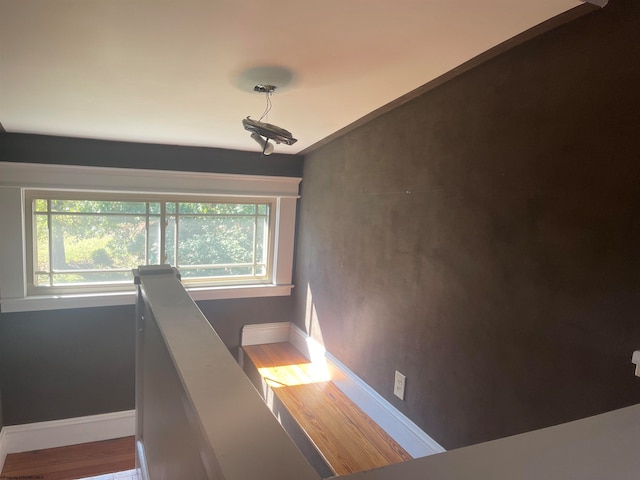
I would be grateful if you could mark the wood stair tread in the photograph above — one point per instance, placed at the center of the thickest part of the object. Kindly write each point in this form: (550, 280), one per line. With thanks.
(346, 437)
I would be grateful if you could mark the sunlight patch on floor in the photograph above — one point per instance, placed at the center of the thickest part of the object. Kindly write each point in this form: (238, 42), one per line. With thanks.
(300, 374)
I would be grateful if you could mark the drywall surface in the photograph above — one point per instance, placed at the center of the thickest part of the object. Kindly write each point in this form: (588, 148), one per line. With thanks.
(1, 417)
(229, 316)
(71, 363)
(66, 363)
(482, 239)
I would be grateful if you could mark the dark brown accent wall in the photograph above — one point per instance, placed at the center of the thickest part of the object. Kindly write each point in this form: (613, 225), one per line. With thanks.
(483, 238)
(70, 363)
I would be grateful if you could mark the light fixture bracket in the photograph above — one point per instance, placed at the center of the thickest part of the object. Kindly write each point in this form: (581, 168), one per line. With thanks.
(264, 88)
(262, 132)
(267, 130)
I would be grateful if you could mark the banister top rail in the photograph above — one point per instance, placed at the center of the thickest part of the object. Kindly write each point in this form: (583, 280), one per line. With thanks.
(244, 436)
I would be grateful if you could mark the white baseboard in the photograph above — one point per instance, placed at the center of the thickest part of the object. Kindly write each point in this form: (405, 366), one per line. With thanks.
(71, 431)
(408, 435)
(306, 345)
(265, 333)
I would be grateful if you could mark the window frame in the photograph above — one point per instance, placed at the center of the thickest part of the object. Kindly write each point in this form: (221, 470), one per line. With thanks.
(31, 195)
(18, 178)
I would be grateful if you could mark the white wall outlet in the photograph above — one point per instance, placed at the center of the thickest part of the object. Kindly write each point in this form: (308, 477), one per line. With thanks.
(398, 385)
(635, 358)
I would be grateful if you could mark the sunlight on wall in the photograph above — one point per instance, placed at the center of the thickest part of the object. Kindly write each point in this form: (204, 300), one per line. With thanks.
(314, 331)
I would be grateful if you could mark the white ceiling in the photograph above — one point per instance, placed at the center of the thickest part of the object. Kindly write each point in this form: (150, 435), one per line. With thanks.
(166, 71)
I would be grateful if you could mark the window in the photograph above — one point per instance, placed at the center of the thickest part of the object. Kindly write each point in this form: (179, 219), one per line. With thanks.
(88, 241)
(71, 234)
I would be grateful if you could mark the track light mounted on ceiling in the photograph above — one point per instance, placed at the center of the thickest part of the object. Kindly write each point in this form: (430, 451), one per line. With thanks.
(261, 131)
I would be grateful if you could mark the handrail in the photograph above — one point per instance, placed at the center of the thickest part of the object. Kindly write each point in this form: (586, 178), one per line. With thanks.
(197, 414)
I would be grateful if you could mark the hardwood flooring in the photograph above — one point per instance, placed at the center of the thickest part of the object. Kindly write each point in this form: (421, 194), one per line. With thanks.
(348, 440)
(346, 437)
(74, 461)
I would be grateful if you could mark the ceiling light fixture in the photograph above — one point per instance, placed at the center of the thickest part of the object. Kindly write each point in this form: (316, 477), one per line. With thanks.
(267, 148)
(260, 129)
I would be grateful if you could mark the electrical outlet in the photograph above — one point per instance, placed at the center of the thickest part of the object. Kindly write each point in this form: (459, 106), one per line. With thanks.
(635, 358)
(398, 385)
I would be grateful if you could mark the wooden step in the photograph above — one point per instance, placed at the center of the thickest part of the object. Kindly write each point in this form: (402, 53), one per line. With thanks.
(347, 438)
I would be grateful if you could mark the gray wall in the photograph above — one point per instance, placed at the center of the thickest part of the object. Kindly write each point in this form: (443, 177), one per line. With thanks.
(483, 238)
(69, 363)
(16, 147)
(1, 418)
(66, 363)
(228, 316)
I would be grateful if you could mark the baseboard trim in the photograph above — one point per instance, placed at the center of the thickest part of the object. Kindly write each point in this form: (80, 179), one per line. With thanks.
(408, 435)
(265, 333)
(60, 433)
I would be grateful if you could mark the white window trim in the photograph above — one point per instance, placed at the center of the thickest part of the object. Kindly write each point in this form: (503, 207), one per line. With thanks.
(15, 178)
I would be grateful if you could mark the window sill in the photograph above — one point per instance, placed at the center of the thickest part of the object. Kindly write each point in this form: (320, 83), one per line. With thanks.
(57, 302)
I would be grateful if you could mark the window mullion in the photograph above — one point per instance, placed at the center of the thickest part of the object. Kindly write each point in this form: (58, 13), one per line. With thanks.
(147, 236)
(255, 240)
(176, 235)
(50, 240)
(163, 232)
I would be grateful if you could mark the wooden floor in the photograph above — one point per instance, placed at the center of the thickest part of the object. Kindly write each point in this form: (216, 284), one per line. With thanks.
(348, 439)
(72, 462)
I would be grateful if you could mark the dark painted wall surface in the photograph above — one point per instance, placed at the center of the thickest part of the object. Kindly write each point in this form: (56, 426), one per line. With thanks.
(69, 363)
(16, 147)
(1, 418)
(228, 316)
(483, 238)
(66, 363)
